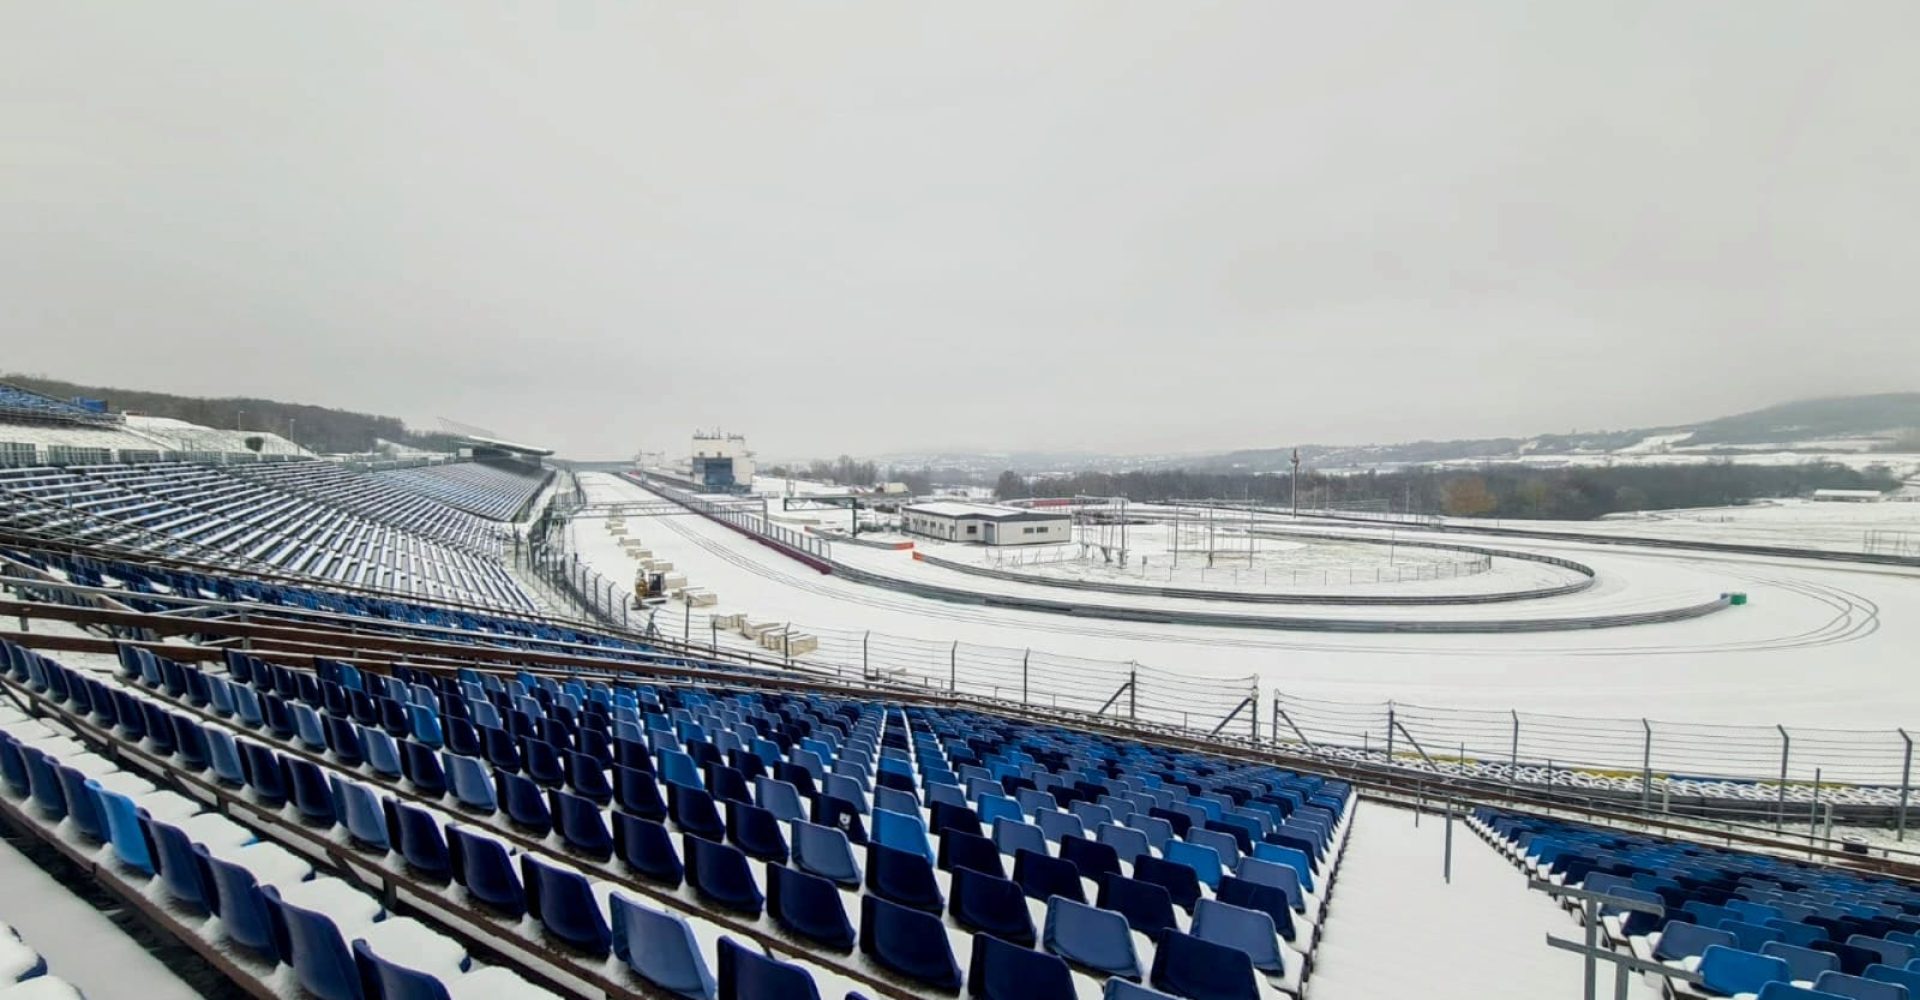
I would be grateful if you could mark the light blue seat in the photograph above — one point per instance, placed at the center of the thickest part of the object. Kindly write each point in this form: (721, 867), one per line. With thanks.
(1728, 970)
(1090, 937)
(361, 813)
(381, 753)
(1249, 931)
(223, 756)
(1289, 856)
(826, 852)
(1055, 824)
(779, 798)
(1013, 837)
(902, 832)
(996, 807)
(307, 725)
(1205, 861)
(468, 780)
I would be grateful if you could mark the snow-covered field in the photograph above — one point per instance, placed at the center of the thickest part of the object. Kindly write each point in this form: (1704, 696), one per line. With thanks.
(1819, 645)
(1838, 527)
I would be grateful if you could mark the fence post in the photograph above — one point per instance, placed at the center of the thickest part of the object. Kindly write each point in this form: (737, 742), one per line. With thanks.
(1813, 814)
(1133, 691)
(1390, 732)
(1513, 758)
(953, 668)
(1253, 713)
(1025, 656)
(786, 641)
(866, 671)
(686, 627)
(1646, 769)
(1906, 785)
(1780, 810)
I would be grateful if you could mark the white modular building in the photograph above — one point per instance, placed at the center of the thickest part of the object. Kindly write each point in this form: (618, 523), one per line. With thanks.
(985, 523)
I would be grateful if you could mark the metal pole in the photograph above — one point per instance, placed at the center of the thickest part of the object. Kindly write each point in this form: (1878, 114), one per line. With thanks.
(686, 627)
(1906, 785)
(1813, 814)
(1390, 728)
(1780, 810)
(1646, 769)
(1133, 692)
(1446, 869)
(1024, 657)
(1593, 941)
(953, 668)
(865, 670)
(1513, 759)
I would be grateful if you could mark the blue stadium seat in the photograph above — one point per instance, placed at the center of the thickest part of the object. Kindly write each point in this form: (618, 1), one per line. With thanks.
(416, 835)
(746, 974)
(1186, 966)
(946, 817)
(720, 874)
(756, 831)
(264, 776)
(1891, 952)
(1055, 824)
(466, 777)
(647, 848)
(1289, 856)
(82, 808)
(1205, 861)
(580, 823)
(660, 948)
(1003, 971)
(1684, 940)
(236, 900)
(1728, 970)
(361, 813)
(1239, 892)
(381, 979)
(522, 802)
(1250, 931)
(1094, 859)
(1121, 989)
(1092, 938)
(1043, 878)
(825, 852)
(1146, 906)
(1858, 987)
(1908, 977)
(638, 792)
(902, 877)
(693, 811)
(564, 903)
(910, 942)
(1181, 881)
(482, 865)
(991, 905)
(588, 777)
(964, 850)
(1012, 837)
(901, 832)
(779, 798)
(809, 906)
(312, 944)
(177, 865)
(1805, 964)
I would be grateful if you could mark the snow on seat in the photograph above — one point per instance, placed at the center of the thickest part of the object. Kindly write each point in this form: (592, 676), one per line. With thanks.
(42, 988)
(18, 960)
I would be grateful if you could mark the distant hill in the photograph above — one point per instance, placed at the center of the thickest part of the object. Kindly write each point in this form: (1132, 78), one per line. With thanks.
(1885, 422)
(317, 428)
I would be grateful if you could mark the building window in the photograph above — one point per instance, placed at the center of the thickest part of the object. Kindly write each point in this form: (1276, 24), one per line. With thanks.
(973, 529)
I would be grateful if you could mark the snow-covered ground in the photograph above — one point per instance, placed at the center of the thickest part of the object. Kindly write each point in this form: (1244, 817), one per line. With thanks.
(1820, 645)
(81, 945)
(1838, 527)
(1396, 928)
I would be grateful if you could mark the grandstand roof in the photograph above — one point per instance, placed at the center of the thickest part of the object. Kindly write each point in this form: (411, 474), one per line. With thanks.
(524, 449)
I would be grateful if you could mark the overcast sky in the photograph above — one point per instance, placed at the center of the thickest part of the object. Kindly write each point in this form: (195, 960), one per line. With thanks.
(872, 226)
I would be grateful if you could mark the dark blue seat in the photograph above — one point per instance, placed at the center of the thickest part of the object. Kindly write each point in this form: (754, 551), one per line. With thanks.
(637, 792)
(588, 778)
(1003, 971)
(965, 850)
(307, 786)
(727, 784)
(563, 901)
(660, 948)
(176, 864)
(1093, 938)
(693, 811)
(991, 905)
(461, 737)
(44, 782)
(541, 762)
(1909, 978)
(502, 750)
(1042, 877)
(311, 943)
(1181, 881)
(746, 974)
(343, 739)
(945, 818)
(836, 812)
(384, 980)
(721, 875)
(1095, 860)
(467, 778)
(756, 831)
(236, 900)
(1146, 906)
(481, 865)
(1186, 966)
(1746, 936)
(809, 906)
(647, 848)
(422, 767)
(522, 802)
(189, 743)
(903, 877)
(416, 835)
(910, 942)
(1728, 970)
(81, 807)
(1265, 898)
(361, 813)
(581, 824)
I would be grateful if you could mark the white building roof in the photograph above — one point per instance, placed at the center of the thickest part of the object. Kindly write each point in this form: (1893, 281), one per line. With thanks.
(1850, 494)
(981, 511)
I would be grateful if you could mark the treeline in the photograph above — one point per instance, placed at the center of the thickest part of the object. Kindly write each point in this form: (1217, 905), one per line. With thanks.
(1515, 491)
(317, 428)
(846, 471)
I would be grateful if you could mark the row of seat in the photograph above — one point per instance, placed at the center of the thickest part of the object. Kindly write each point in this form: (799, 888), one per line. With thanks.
(212, 510)
(492, 490)
(372, 496)
(1743, 923)
(878, 870)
